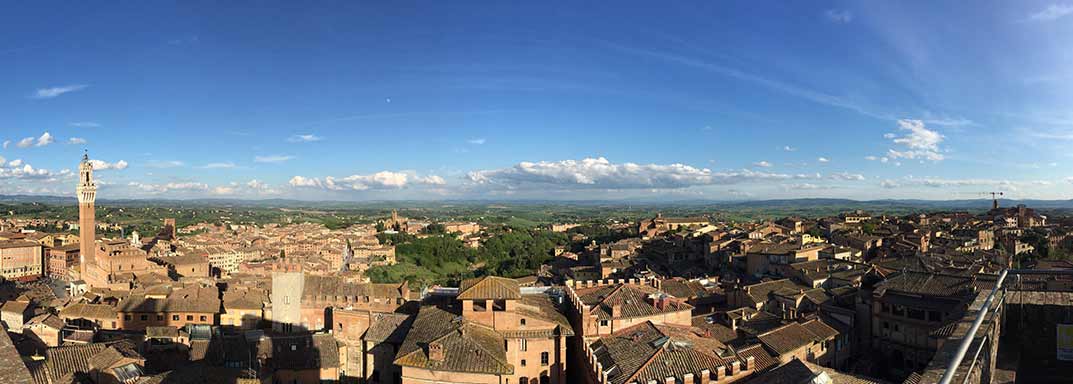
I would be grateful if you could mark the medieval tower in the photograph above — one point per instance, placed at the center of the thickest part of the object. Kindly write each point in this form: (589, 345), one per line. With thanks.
(87, 194)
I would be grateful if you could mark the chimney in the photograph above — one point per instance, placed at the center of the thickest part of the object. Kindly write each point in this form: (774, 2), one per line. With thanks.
(687, 378)
(735, 367)
(616, 311)
(705, 376)
(435, 351)
(721, 373)
(670, 380)
(749, 363)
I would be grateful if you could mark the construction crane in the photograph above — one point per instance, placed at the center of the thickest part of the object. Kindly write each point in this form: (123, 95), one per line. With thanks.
(994, 198)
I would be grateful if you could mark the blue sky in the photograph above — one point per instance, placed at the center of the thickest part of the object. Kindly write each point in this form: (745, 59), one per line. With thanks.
(493, 100)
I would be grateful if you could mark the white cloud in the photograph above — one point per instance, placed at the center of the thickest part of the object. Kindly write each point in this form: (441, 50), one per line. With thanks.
(789, 148)
(919, 143)
(84, 124)
(218, 165)
(600, 173)
(223, 190)
(846, 176)
(44, 140)
(937, 182)
(871, 158)
(432, 180)
(1052, 12)
(272, 158)
(48, 93)
(76, 140)
(377, 181)
(7, 143)
(839, 16)
(476, 141)
(18, 169)
(99, 165)
(165, 164)
(41, 141)
(763, 164)
(299, 181)
(307, 138)
(807, 186)
(823, 160)
(169, 187)
(256, 184)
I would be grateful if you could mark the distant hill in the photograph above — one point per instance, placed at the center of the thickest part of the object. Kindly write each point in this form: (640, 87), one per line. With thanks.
(847, 204)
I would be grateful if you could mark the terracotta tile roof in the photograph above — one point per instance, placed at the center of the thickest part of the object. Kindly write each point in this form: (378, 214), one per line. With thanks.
(113, 354)
(489, 288)
(633, 300)
(71, 361)
(653, 352)
(48, 320)
(190, 299)
(929, 284)
(388, 327)
(790, 337)
(715, 330)
(467, 346)
(18, 244)
(821, 329)
(298, 351)
(330, 286)
(762, 360)
(12, 370)
(89, 311)
(541, 307)
(759, 292)
(679, 287)
(14, 307)
(161, 332)
(800, 372)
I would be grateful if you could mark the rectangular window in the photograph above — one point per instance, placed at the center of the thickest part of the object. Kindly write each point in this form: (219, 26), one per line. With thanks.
(189, 317)
(159, 317)
(523, 362)
(544, 359)
(522, 321)
(175, 317)
(524, 344)
(202, 317)
(603, 323)
(144, 317)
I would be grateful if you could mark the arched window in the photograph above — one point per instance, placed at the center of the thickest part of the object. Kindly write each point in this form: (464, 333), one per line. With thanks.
(523, 380)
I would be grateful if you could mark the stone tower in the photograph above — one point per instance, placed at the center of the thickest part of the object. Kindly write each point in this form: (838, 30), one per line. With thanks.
(87, 223)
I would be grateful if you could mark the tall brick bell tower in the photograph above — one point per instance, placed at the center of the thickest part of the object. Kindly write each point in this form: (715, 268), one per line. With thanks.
(87, 225)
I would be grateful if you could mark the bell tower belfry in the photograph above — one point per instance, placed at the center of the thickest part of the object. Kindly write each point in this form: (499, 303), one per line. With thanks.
(87, 225)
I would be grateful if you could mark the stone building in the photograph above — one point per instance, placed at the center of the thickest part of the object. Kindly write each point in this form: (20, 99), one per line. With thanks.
(521, 338)
(912, 313)
(647, 353)
(61, 259)
(21, 260)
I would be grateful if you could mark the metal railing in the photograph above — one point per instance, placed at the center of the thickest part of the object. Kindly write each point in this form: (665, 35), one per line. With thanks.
(981, 315)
